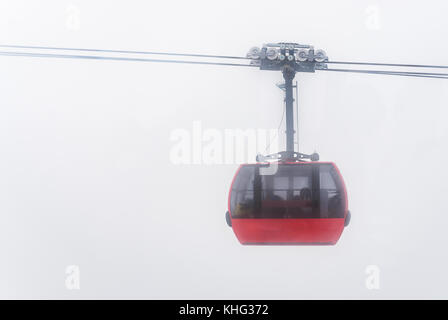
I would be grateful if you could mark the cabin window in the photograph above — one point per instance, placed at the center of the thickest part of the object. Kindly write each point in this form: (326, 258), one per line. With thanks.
(294, 191)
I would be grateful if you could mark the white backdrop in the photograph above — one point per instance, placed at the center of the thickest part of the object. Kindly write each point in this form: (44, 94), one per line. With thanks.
(85, 171)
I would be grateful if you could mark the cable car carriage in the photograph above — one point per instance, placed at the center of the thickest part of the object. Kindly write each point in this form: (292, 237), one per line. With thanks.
(288, 202)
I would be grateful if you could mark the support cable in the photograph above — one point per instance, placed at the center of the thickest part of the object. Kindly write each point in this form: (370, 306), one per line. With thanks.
(121, 51)
(388, 64)
(393, 73)
(67, 56)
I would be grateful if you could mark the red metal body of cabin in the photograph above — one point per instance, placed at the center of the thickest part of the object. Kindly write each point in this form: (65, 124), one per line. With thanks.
(289, 217)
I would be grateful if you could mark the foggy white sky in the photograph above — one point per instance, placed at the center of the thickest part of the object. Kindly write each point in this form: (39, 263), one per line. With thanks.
(86, 178)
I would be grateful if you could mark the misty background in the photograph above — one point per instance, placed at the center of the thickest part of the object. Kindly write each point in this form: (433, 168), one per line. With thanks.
(85, 171)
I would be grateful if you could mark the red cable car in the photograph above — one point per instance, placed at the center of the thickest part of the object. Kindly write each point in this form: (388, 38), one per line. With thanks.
(288, 201)
(301, 203)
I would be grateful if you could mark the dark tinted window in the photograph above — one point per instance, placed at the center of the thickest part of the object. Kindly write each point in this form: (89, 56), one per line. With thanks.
(295, 191)
(332, 199)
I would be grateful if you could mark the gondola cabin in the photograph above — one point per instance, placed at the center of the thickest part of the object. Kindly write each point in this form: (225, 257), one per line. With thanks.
(290, 203)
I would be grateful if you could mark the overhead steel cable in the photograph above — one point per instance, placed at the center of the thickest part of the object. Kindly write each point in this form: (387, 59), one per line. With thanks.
(388, 64)
(398, 72)
(122, 51)
(392, 73)
(115, 58)
(68, 56)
